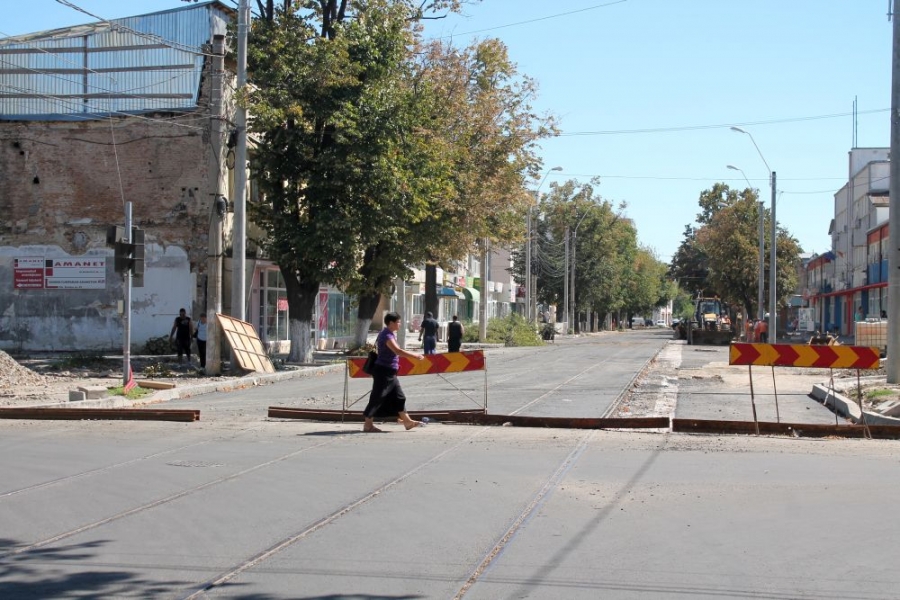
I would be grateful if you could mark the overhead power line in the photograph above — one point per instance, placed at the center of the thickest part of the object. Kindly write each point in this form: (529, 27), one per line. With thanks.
(548, 17)
(718, 125)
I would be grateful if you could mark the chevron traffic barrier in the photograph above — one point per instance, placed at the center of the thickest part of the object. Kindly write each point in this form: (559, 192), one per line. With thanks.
(802, 355)
(447, 362)
(431, 364)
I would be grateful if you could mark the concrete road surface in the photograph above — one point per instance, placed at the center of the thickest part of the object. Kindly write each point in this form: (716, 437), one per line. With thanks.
(240, 506)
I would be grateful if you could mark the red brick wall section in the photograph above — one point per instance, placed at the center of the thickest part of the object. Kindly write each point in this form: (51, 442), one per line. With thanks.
(61, 181)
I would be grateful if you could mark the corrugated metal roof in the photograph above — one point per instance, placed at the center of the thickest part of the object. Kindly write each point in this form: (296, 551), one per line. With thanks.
(135, 64)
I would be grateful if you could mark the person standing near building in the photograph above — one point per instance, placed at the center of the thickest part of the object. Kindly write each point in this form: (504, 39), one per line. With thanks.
(860, 315)
(455, 331)
(181, 334)
(428, 333)
(387, 398)
(200, 336)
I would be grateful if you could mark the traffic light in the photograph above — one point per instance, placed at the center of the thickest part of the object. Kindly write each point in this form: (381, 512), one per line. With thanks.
(137, 251)
(128, 257)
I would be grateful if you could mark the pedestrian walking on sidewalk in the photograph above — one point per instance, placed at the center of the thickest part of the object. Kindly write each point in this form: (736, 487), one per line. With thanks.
(387, 398)
(181, 334)
(428, 332)
(455, 331)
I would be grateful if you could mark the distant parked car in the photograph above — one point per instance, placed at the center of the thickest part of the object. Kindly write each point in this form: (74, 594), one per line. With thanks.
(660, 323)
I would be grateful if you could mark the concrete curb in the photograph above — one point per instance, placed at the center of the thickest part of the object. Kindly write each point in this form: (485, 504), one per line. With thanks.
(832, 398)
(189, 391)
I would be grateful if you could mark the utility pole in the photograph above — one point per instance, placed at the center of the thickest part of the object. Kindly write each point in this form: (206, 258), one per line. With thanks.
(400, 286)
(239, 245)
(126, 313)
(762, 259)
(773, 271)
(217, 211)
(566, 284)
(485, 273)
(893, 349)
(528, 290)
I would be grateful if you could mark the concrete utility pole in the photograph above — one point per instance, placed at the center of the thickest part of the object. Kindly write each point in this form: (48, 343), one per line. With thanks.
(239, 245)
(217, 211)
(400, 287)
(126, 312)
(893, 347)
(485, 273)
(773, 271)
(566, 283)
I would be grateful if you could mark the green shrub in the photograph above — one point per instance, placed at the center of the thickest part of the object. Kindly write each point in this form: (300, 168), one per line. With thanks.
(470, 332)
(513, 330)
(158, 345)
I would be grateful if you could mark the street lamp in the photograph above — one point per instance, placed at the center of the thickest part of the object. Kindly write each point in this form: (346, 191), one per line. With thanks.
(529, 291)
(762, 249)
(772, 247)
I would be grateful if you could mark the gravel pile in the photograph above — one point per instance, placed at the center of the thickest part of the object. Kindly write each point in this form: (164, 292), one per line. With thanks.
(13, 375)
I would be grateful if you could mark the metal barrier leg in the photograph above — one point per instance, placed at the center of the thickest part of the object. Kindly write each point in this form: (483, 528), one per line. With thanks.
(775, 389)
(753, 399)
(862, 412)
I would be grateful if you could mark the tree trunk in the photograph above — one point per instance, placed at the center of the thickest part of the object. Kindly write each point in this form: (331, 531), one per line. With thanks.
(302, 296)
(368, 304)
(431, 299)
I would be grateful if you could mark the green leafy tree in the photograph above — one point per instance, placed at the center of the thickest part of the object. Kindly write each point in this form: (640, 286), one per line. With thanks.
(323, 108)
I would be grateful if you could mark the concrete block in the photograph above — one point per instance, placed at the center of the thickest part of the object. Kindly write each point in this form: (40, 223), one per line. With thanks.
(93, 392)
(891, 408)
(76, 396)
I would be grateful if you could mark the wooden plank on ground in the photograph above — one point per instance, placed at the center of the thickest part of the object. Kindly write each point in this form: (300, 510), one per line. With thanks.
(479, 417)
(106, 414)
(798, 429)
(283, 412)
(570, 422)
(156, 385)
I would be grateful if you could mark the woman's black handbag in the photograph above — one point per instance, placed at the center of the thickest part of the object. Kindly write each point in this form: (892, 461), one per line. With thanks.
(369, 366)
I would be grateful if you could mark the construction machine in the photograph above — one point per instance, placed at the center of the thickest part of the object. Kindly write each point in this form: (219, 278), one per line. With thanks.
(710, 325)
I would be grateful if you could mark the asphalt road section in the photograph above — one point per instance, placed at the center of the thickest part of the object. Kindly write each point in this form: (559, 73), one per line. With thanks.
(241, 506)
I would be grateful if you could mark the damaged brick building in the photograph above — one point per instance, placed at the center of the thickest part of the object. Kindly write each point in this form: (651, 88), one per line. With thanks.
(91, 117)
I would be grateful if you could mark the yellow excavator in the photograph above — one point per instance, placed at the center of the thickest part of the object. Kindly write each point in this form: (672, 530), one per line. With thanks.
(710, 325)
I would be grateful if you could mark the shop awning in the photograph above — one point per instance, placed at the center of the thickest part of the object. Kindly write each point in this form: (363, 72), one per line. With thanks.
(471, 294)
(447, 291)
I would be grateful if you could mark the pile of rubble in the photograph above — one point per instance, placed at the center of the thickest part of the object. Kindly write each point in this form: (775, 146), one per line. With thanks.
(14, 375)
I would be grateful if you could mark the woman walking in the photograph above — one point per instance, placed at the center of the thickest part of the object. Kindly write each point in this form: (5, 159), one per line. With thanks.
(387, 398)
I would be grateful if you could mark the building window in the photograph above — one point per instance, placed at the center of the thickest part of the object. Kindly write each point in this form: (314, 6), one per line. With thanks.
(273, 306)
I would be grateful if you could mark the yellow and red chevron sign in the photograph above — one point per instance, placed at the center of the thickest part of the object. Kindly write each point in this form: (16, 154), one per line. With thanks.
(448, 362)
(801, 355)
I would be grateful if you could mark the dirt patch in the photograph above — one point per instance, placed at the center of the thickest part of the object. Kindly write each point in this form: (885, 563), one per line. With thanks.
(35, 381)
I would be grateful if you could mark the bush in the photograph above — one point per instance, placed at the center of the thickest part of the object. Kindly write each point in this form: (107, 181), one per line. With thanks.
(158, 345)
(513, 330)
(470, 332)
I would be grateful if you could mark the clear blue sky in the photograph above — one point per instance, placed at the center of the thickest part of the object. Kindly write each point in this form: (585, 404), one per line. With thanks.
(682, 72)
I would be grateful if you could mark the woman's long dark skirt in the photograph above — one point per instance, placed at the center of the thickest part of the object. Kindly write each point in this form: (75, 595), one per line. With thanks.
(387, 398)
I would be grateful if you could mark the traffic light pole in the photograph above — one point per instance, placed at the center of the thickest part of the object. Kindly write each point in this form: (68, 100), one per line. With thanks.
(126, 308)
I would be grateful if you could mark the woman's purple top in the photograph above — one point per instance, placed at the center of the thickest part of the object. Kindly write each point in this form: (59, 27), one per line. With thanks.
(386, 356)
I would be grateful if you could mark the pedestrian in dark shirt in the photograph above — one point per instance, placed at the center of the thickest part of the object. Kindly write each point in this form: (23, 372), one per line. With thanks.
(182, 331)
(455, 331)
(428, 334)
(387, 398)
